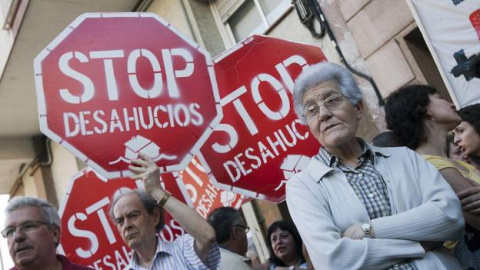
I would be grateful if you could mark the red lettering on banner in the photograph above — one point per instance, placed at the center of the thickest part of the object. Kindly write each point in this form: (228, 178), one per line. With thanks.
(475, 20)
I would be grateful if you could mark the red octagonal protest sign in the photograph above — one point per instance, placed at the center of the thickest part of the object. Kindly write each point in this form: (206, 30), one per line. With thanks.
(112, 85)
(88, 235)
(200, 193)
(260, 142)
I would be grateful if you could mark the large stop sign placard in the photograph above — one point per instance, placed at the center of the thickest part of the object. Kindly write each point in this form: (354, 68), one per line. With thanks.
(112, 85)
(260, 142)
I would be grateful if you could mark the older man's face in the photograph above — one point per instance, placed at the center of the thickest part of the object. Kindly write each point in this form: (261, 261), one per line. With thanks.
(135, 224)
(331, 118)
(33, 242)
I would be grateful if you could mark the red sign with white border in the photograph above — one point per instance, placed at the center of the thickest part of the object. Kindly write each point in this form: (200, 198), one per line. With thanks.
(201, 194)
(88, 236)
(260, 142)
(112, 85)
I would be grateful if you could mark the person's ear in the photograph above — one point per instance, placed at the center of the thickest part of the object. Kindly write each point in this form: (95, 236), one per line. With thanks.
(359, 109)
(56, 235)
(235, 233)
(156, 215)
(428, 114)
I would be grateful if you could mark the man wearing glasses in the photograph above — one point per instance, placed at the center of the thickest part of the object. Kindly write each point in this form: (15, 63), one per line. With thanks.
(231, 232)
(138, 216)
(32, 230)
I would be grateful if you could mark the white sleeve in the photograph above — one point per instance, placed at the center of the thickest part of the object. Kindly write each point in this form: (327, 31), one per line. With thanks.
(439, 218)
(326, 247)
(190, 256)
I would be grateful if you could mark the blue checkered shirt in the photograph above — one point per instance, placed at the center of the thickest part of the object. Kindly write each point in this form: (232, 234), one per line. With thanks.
(369, 186)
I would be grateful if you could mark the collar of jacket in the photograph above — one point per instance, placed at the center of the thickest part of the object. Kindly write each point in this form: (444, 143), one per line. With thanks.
(317, 170)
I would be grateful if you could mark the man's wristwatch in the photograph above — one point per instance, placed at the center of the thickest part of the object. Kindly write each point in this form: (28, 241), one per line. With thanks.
(165, 197)
(367, 229)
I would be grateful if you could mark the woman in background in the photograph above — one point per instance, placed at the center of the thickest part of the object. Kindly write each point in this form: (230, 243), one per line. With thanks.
(467, 134)
(285, 246)
(454, 151)
(421, 119)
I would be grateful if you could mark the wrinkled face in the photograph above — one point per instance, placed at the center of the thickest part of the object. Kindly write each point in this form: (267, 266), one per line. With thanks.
(332, 120)
(33, 242)
(283, 245)
(467, 139)
(443, 112)
(135, 224)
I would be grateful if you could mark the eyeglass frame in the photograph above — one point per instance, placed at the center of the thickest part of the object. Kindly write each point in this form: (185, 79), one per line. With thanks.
(323, 103)
(244, 227)
(37, 223)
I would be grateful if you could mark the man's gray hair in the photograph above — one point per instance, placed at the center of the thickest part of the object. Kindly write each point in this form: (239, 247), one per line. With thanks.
(148, 202)
(48, 212)
(323, 72)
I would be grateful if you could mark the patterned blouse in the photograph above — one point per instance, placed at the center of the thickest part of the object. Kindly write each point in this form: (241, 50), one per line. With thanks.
(369, 186)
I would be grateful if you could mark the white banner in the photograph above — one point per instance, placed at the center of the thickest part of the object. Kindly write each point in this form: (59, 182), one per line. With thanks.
(451, 29)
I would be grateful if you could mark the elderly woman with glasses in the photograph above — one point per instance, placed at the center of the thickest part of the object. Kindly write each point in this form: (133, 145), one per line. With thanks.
(357, 206)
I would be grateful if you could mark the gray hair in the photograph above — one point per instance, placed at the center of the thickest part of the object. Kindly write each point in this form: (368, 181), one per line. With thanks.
(148, 202)
(323, 72)
(48, 212)
(223, 221)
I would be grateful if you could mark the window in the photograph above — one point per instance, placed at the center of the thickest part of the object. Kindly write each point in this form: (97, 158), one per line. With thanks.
(239, 19)
(8, 9)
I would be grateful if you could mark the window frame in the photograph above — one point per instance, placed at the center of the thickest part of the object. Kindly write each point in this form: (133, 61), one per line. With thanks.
(268, 20)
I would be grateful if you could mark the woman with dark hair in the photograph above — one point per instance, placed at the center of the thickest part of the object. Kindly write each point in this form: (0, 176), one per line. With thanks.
(467, 137)
(421, 119)
(285, 246)
(453, 150)
(467, 134)
(385, 139)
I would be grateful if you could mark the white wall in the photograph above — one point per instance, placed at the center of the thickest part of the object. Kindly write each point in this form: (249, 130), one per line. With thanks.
(6, 44)
(63, 167)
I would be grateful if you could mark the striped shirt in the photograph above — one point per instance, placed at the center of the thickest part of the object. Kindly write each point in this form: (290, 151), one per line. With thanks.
(369, 187)
(179, 255)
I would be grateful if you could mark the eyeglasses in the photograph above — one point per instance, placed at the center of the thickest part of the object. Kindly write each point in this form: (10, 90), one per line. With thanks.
(246, 228)
(26, 227)
(331, 103)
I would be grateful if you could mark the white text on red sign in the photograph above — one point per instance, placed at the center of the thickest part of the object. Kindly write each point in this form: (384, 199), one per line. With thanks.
(137, 118)
(271, 146)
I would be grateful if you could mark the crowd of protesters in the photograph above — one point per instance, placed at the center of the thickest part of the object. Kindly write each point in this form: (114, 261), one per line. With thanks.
(410, 200)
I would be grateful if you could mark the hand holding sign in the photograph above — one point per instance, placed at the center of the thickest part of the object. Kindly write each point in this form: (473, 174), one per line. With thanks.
(146, 169)
(88, 235)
